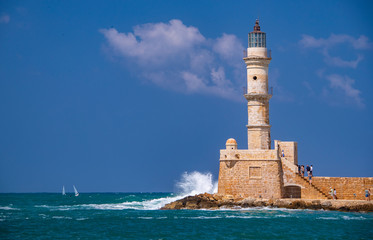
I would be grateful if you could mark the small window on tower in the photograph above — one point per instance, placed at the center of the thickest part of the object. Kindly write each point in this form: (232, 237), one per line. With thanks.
(255, 78)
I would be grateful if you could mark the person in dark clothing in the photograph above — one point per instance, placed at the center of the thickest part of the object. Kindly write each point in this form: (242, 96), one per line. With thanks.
(308, 170)
(299, 170)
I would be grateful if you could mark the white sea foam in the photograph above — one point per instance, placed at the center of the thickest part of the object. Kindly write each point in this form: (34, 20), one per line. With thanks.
(328, 218)
(204, 217)
(59, 208)
(238, 216)
(282, 215)
(189, 184)
(8, 208)
(61, 217)
(343, 217)
(81, 219)
(152, 204)
(353, 218)
(45, 206)
(196, 183)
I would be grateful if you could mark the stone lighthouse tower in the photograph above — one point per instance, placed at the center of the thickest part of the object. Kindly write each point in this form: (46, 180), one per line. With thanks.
(256, 171)
(260, 171)
(257, 61)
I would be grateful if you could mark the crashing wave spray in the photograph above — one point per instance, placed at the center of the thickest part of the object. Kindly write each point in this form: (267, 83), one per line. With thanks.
(190, 184)
(196, 183)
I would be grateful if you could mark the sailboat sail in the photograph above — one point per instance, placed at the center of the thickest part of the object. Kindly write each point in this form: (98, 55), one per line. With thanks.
(63, 190)
(76, 191)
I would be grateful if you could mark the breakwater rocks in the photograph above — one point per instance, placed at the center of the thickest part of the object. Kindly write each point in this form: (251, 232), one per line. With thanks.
(216, 201)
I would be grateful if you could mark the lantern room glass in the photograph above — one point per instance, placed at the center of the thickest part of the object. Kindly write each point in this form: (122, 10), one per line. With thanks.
(257, 39)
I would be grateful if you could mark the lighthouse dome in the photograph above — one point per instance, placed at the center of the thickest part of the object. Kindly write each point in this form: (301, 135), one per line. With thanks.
(231, 144)
(231, 141)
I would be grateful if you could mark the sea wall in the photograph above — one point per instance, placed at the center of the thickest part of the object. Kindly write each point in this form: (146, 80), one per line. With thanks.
(351, 188)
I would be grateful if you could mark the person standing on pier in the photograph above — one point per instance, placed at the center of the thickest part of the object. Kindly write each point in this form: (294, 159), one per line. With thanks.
(367, 194)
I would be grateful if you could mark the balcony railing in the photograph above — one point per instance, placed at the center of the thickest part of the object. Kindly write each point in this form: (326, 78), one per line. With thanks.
(270, 90)
(269, 53)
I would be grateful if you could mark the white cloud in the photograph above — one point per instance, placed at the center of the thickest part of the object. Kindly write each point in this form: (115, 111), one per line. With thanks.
(340, 87)
(193, 82)
(325, 44)
(178, 57)
(4, 18)
(226, 47)
(336, 61)
(362, 42)
(344, 84)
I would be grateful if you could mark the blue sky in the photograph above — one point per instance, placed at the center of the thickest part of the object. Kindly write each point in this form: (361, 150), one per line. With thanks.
(128, 95)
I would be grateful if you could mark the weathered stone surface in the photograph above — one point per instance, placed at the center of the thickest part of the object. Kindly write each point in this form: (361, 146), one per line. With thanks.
(351, 188)
(216, 201)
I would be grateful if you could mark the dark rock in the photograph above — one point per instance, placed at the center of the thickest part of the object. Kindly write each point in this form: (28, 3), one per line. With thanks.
(326, 204)
(210, 201)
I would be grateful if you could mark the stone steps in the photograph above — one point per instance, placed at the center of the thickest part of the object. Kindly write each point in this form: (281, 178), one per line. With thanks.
(315, 187)
(305, 183)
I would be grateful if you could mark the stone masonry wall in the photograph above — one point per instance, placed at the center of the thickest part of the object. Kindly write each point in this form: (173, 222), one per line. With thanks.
(290, 150)
(250, 178)
(258, 138)
(346, 186)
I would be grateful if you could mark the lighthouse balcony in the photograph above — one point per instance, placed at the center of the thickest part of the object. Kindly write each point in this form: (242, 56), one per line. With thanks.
(257, 53)
(254, 96)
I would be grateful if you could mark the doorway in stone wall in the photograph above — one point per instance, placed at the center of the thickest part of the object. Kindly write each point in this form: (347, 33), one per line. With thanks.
(292, 191)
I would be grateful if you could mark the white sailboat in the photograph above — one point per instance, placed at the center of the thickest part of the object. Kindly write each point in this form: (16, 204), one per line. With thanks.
(63, 190)
(76, 191)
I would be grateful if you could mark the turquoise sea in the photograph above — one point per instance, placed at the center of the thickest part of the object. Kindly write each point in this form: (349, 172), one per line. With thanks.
(137, 216)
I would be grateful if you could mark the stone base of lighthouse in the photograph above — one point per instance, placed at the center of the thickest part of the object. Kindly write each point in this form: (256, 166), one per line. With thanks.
(251, 173)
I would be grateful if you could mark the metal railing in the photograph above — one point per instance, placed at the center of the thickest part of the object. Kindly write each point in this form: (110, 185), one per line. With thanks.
(269, 53)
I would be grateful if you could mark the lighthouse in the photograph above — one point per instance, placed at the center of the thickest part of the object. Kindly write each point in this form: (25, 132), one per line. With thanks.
(262, 172)
(255, 171)
(257, 96)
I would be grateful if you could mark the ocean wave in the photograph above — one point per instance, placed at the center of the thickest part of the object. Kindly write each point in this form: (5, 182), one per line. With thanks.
(238, 216)
(353, 218)
(343, 217)
(190, 184)
(61, 217)
(43, 215)
(204, 217)
(195, 183)
(9, 208)
(153, 204)
(282, 215)
(328, 218)
(82, 219)
(58, 208)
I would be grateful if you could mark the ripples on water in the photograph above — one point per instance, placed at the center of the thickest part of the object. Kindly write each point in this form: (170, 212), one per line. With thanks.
(136, 216)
